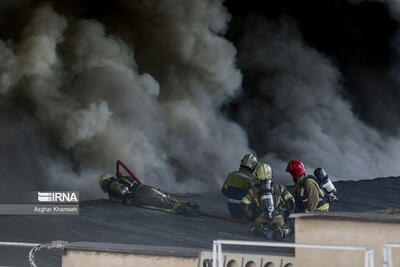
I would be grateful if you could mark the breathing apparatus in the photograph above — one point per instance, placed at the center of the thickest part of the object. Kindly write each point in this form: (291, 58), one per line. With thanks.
(266, 197)
(326, 184)
(265, 194)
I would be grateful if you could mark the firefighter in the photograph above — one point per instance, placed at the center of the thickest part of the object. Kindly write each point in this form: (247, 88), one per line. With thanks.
(237, 184)
(126, 190)
(268, 205)
(307, 192)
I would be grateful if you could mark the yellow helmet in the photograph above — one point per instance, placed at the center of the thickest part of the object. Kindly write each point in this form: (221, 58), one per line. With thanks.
(249, 161)
(264, 172)
(104, 181)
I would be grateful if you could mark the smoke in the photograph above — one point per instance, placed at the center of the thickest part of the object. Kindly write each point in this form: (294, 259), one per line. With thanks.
(81, 87)
(393, 6)
(374, 91)
(90, 102)
(295, 108)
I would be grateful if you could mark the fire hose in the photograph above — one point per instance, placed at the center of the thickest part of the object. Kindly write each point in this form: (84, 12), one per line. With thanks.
(57, 244)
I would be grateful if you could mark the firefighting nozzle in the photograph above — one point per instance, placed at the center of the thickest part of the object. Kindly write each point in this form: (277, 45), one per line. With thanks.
(326, 184)
(267, 200)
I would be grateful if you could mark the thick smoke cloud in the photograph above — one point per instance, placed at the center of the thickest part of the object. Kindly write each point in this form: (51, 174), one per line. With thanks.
(145, 83)
(90, 104)
(296, 110)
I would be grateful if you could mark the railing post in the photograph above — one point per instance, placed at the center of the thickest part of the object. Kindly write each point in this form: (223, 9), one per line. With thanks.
(214, 258)
(220, 262)
(371, 257)
(390, 256)
(385, 256)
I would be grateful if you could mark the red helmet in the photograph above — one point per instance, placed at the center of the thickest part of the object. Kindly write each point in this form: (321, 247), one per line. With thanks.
(295, 168)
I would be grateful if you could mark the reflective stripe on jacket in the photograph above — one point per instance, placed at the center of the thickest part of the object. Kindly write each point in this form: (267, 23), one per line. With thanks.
(309, 196)
(237, 184)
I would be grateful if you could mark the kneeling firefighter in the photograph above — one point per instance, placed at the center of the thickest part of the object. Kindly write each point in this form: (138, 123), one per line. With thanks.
(312, 193)
(128, 190)
(268, 205)
(237, 184)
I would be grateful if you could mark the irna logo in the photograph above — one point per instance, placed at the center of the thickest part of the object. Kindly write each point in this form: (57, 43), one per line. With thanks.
(59, 197)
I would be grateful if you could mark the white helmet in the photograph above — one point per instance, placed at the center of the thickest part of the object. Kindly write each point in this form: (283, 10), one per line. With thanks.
(249, 161)
(264, 172)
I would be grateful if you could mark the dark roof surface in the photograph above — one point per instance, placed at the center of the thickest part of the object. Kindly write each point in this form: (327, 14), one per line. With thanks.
(103, 221)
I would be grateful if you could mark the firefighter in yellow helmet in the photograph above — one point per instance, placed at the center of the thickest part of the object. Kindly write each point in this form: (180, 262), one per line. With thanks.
(268, 205)
(237, 184)
(126, 190)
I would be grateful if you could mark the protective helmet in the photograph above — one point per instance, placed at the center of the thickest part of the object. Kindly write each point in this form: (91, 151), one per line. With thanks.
(264, 172)
(249, 161)
(104, 181)
(295, 168)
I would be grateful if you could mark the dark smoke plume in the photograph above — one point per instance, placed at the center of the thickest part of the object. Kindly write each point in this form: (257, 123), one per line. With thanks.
(296, 109)
(84, 83)
(90, 103)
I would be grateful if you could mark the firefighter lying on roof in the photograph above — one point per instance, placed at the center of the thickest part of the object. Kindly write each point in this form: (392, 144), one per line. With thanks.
(128, 190)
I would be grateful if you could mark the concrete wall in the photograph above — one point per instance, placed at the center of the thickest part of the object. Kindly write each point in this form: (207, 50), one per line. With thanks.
(233, 259)
(88, 254)
(344, 231)
(74, 258)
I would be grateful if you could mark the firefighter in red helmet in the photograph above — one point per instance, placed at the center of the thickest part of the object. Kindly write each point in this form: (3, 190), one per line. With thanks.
(307, 193)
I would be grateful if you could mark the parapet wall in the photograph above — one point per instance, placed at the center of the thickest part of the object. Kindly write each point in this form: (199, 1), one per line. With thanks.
(75, 258)
(235, 259)
(345, 229)
(329, 229)
(86, 254)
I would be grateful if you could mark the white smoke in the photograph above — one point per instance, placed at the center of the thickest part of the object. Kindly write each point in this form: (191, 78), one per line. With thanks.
(299, 109)
(83, 89)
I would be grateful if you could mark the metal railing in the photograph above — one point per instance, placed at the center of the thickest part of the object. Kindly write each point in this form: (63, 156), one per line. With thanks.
(387, 254)
(217, 249)
(19, 244)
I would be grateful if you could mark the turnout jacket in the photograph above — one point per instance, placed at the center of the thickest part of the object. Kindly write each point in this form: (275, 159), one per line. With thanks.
(284, 204)
(237, 184)
(235, 188)
(126, 190)
(308, 195)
